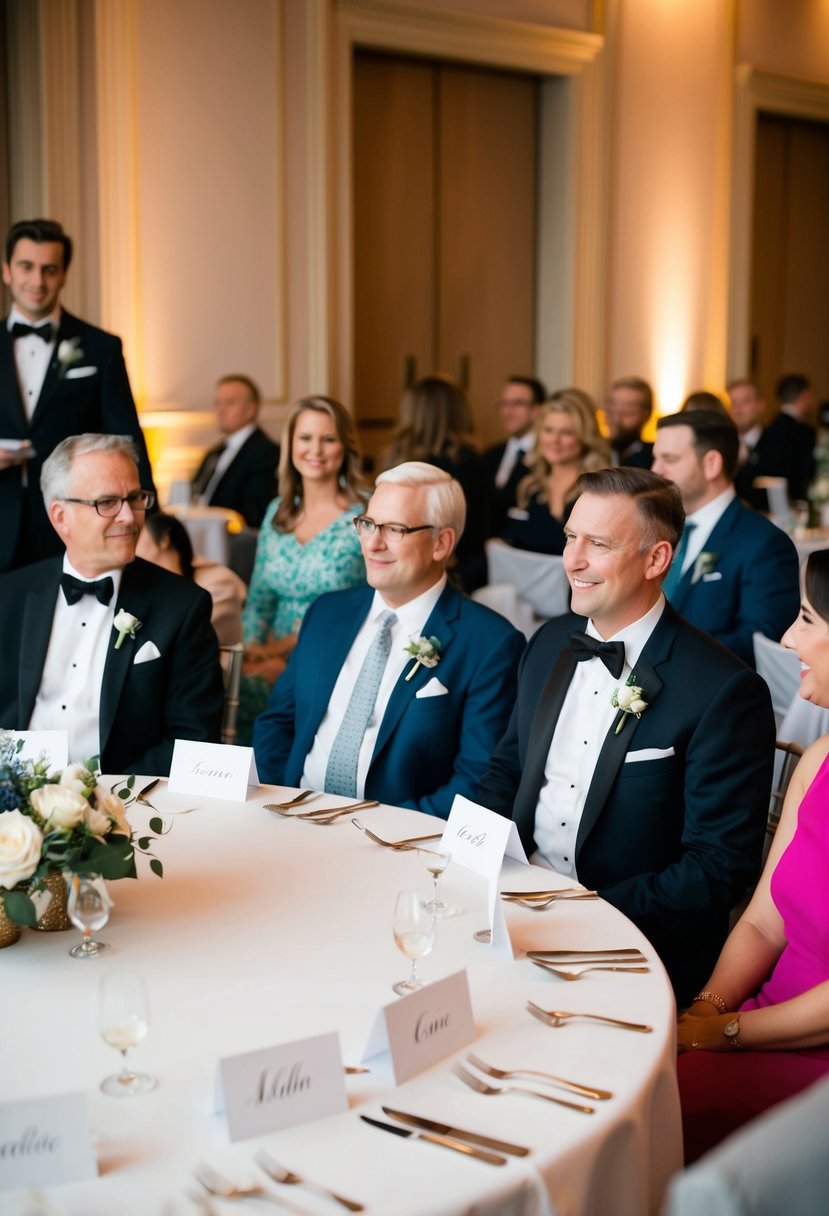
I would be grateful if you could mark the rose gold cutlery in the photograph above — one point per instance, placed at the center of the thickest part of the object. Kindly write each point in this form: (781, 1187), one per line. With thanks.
(456, 1146)
(278, 1173)
(491, 1090)
(576, 975)
(215, 1184)
(329, 814)
(558, 1017)
(409, 843)
(505, 1074)
(285, 807)
(457, 1133)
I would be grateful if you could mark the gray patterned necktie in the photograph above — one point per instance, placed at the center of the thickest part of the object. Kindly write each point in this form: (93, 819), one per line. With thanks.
(341, 771)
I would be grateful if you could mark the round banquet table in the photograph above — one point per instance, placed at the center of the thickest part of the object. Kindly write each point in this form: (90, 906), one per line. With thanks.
(265, 930)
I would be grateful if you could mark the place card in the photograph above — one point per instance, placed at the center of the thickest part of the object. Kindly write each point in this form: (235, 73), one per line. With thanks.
(424, 1027)
(45, 1141)
(275, 1087)
(53, 744)
(212, 770)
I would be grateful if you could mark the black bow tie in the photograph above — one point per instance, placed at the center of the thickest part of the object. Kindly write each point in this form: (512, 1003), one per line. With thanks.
(75, 588)
(612, 654)
(19, 330)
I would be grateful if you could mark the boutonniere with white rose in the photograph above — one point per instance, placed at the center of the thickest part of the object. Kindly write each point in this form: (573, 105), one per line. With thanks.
(126, 624)
(629, 700)
(425, 652)
(69, 353)
(705, 564)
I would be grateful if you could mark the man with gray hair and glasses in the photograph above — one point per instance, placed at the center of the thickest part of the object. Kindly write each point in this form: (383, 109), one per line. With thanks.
(116, 651)
(397, 691)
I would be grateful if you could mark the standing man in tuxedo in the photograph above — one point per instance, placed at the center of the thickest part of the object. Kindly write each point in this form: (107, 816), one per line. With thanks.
(638, 757)
(240, 472)
(629, 406)
(112, 649)
(506, 463)
(59, 376)
(355, 713)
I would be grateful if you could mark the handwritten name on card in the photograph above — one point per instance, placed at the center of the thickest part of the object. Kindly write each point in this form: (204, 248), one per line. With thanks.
(427, 1026)
(263, 1091)
(212, 770)
(52, 744)
(45, 1141)
(479, 839)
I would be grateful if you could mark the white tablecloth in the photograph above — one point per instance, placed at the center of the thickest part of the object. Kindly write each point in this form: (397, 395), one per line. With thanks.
(265, 930)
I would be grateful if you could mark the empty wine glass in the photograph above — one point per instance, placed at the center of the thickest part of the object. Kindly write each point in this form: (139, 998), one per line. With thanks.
(124, 1020)
(88, 906)
(414, 935)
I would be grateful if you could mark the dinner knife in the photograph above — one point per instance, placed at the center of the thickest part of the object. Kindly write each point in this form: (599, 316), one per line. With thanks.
(571, 891)
(571, 954)
(443, 1141)
(457, 1133)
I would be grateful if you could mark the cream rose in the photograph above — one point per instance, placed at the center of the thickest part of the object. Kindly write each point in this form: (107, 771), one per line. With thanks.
(638, 706)
(112, 808)
(624, 697)
(59, 806)
(72, 778)
(20, 844)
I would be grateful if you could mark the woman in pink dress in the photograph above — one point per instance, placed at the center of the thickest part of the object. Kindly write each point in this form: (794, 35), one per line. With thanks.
(765, 1008)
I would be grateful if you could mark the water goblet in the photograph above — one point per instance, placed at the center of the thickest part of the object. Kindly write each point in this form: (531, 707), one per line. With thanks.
(436, 861)
(88, 906)
(124, 1020)
(414, 935)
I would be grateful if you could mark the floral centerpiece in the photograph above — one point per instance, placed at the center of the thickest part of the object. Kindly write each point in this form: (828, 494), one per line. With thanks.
(60, 823)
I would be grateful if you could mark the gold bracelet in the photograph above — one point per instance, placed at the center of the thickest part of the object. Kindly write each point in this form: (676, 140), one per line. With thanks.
(711, 998)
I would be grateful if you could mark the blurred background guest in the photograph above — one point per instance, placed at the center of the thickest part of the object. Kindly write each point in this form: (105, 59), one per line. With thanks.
(629, 406)
(506, 463)
(568, 443)
(702, 399)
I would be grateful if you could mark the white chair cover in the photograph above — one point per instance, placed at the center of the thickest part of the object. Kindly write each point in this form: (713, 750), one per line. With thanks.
(539, 578)
(780, 668)
(503, 599)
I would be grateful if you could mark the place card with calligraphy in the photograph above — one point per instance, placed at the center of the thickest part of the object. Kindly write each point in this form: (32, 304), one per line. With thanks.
(424, 1027)
(212, 770)
(479, 839)
(52, 744)
(45, 1141)
(275, 1087)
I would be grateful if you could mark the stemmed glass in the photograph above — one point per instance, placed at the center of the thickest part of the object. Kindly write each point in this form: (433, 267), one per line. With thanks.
(414, 935)
(124, 1020)
(88, 906)
(436, 861)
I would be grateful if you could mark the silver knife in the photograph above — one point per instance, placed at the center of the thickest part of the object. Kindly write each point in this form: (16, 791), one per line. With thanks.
(443, 1141)
(457, 1133)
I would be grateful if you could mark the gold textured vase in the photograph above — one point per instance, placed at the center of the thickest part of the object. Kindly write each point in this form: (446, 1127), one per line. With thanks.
(56, 916)
(9, 931)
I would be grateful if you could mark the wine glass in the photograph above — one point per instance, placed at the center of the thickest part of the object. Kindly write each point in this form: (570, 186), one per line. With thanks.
(124, 1020)
(414, 935)
(88, 906)
(436, 861)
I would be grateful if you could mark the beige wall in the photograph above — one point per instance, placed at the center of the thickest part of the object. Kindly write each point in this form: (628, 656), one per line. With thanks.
(790, 37)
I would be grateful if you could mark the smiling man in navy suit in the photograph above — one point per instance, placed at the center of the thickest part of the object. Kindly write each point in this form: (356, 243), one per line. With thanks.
(355, 713)
(59, 376)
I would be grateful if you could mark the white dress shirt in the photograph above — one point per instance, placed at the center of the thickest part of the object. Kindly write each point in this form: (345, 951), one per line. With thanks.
(69, 697)
(32, 357)
(586, 716)
(410, 623)
(232, 444)
(515, 449)
(705, 521)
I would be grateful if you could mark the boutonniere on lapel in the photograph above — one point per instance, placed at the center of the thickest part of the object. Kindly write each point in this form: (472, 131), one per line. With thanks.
(425, 651)
(629, 700)
(69, 353)
(126, 624)
(705, 564)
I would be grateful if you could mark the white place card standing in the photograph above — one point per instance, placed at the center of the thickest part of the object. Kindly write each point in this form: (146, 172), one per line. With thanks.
(424, 1027)
(212, 770)
(275, 1087)
(45, 1141)
(53, 744)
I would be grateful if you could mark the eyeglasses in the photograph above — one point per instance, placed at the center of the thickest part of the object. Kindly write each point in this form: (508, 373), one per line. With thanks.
(393, 533)
(139, 500)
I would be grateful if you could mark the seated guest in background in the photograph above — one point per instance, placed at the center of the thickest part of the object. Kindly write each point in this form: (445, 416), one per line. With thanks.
(435, 426)
(506, 463)
(112, 649)
(627, 411)
(638, 757)
(164, 540)
(793, 430)
(735, 572)
(568, 443)
(765, 451)
(355, 713)
(240, 472)
(701, 399)
(768, 996)
(59, 376)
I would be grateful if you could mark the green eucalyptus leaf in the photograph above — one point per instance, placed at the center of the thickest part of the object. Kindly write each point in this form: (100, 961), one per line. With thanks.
(20, 908)
(156, 867)
(156, 825)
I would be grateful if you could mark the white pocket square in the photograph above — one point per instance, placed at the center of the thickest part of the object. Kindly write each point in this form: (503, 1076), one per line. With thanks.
(78, 373)
(433, 689)
(649, 753)
(147, 652)
(713, 577)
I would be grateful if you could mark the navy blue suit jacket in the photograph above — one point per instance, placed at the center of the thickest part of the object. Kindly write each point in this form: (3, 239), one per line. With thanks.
(671, 838)
(751, 585)
(428, 749)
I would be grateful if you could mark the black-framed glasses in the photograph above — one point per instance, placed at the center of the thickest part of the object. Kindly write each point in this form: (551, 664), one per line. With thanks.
(393, 533)
(139, 500)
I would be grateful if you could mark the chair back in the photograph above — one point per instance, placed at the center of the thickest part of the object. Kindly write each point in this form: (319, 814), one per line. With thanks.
(504, 599)
(231, 659)
(539, 578)
(785, 762)
(780, 668)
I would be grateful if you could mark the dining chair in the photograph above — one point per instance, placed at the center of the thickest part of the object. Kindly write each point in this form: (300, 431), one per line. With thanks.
(785, 762)
(231, 659)
(538, 579)
(780, 668)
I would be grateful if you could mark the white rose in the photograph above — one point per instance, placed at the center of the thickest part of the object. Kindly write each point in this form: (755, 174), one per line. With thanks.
(72, 778)
(112, 808)
(125, 621)
(59, 806)
(20, 844)
(638, 706)
(624, 696)
(69, 351)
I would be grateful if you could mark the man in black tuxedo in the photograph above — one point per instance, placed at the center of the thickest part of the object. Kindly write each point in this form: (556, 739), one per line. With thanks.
(240, 472)
(59, 376)
(629, 406)
(638, 757)
(506, 463)
(115, 650)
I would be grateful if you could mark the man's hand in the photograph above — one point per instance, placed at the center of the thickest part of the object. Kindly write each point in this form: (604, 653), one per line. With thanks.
(9, 458)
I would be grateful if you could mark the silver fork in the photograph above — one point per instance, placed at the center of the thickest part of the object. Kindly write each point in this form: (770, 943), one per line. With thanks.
(575, 975)
(558, 1017)
(504, 1074)
(279, 1174)
(215, 1184)
(482, 1088)
(281, 807)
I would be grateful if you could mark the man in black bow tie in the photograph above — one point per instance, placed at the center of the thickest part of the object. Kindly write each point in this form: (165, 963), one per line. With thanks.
(112, 649)
(638, 757)
(59, 376)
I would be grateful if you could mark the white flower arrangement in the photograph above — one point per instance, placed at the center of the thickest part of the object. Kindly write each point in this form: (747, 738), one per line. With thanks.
(629, 700)
(126, 624)
(425, 652)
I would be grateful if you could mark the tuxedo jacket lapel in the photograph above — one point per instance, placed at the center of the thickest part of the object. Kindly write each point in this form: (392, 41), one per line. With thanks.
(10, 388)
(38, 613)
(118, 662)
(540, 737)
(717, 542)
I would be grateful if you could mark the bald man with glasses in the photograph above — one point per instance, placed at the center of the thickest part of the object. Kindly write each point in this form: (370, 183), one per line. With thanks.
(397, 691)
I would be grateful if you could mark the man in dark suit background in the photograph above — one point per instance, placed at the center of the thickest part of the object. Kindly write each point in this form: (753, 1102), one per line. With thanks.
(783, 447)
(506, 463)
(736, 573)
(59, 376)
(629, 406)
(660, 806)
(240, 472)
(115, 650)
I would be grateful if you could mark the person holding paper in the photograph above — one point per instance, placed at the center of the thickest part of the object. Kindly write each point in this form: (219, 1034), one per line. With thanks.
(638, 757)
(112, 649)
(400, 690)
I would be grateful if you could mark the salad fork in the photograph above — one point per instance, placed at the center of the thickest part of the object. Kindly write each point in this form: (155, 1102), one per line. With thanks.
(330, 814)
(402, 845)
(481, 1087)
(220, 1187)
(557, 1017)
(504, 1074)
(279, 1174)
(281, 807)
(576, 975)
